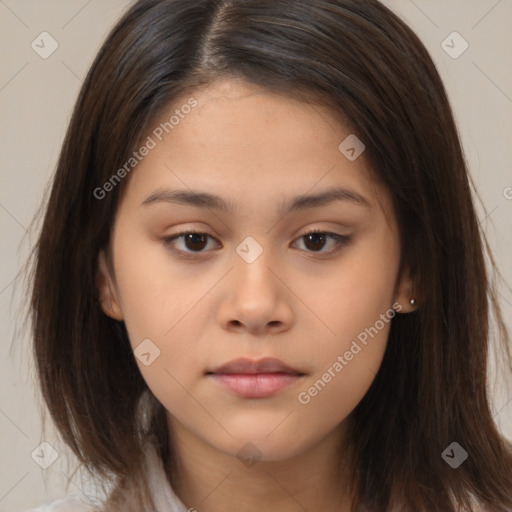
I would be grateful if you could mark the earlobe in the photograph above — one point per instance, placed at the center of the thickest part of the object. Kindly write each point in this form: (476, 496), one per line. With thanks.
(107, 291)
(406, 300)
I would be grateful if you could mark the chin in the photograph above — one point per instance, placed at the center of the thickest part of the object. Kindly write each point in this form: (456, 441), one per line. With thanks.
(263, 444)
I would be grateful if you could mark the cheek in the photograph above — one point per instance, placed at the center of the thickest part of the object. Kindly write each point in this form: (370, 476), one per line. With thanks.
(360, 289)
(345, 364)
(156, 293)
(165, 307)
(356, 309)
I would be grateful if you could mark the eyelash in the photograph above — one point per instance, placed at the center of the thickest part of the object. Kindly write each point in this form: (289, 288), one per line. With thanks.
(341, 240)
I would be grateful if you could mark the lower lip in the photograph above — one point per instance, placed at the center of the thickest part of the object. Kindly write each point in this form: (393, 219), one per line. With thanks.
(257, 385)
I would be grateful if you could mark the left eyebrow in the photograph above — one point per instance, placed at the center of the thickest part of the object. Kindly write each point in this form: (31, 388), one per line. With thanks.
(192, 198)
(208, 200)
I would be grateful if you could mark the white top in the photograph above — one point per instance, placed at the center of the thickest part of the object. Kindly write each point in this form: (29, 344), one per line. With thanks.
(161, 491)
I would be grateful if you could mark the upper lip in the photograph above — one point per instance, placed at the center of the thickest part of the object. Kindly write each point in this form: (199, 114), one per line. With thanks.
(250, 366)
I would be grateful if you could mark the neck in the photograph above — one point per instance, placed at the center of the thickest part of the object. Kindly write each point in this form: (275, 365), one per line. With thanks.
(209, 480)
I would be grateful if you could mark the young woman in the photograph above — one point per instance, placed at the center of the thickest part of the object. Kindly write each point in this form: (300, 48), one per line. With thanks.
(260, 281)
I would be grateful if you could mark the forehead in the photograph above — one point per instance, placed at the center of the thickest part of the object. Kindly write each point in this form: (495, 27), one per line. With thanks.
(238, 117)
(244, 142)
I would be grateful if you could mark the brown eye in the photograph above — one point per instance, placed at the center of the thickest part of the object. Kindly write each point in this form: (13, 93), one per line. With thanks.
(191, 242)
(195, 241)
(316, 240)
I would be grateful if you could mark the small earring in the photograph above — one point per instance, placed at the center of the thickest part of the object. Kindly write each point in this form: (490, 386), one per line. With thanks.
(413, 302)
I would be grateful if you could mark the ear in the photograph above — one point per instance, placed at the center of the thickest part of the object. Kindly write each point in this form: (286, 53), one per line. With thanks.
(107, 290)
(405, 292)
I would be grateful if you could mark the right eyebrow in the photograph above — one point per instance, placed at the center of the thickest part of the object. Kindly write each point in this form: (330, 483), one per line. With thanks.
(203, 199)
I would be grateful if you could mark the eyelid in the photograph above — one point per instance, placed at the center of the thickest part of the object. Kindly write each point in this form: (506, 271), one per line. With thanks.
(167, 241)
(341, 240)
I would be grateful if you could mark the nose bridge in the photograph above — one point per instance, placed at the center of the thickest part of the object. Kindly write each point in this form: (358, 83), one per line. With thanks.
(255, 300)
(252, 263)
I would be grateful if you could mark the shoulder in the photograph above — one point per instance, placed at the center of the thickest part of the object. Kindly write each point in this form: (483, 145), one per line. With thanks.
(66, 504)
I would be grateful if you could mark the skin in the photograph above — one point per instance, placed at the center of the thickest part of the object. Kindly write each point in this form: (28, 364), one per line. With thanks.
(294, 302)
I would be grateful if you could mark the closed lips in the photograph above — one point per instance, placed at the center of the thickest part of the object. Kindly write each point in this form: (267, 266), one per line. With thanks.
(249, 366)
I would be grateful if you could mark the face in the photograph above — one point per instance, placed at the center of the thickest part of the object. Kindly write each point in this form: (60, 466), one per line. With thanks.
(254, 282)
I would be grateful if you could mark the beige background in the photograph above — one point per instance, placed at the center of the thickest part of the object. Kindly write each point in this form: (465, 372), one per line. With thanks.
(36, 98)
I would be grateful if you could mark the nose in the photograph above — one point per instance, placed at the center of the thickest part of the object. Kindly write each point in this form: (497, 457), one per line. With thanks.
(255, 299)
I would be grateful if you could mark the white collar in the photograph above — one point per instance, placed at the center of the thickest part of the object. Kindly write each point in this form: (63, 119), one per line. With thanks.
(164, 498)
(162, 493)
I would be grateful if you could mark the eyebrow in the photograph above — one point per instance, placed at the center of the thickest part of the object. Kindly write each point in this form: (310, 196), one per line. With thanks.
(208, 200)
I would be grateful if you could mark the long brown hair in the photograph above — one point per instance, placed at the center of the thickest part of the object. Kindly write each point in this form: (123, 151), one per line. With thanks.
(360, 59)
